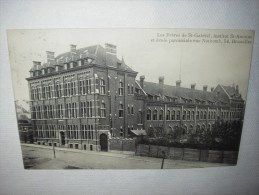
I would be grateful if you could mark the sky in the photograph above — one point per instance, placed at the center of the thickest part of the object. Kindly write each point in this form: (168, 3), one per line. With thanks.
(200, 63)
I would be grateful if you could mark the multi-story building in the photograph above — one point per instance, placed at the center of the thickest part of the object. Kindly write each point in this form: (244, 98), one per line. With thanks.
(81, 98)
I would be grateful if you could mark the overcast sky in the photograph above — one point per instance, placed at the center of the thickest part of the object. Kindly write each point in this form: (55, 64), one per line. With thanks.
(201, 63)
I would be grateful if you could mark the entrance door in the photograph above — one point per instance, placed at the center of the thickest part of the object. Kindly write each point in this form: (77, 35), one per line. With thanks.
(104, 142)
(62, 136)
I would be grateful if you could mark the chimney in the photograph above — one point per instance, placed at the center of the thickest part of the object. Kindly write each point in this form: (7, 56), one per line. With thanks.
(72, 48)
(142, 78)
(111, 49)
(161, 85)
(205, 87)
(36, 63)
(178, 83)
(212, 89)
(237, 89)
(193, 86)
(50, 57)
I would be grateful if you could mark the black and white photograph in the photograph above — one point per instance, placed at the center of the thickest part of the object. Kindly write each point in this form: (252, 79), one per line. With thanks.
(129, 98)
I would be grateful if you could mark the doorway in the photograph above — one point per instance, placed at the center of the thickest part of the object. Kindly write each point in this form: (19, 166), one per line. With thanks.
(104, 142)
(62, 137)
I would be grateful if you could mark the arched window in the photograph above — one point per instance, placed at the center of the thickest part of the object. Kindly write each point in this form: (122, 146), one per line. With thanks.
(155, 115)
(121, 88)
(198, 129)
(203, 129)
(178, 115)
(201, 115)
(193, 114)
(191, 130)
(185, 129)
(102, 86)
(161, 115)
(140, 121)
(198, 115)
(205, 115)
(173, 115)
(184, 115)
(148, 115)
(188, 115)
(168, 115)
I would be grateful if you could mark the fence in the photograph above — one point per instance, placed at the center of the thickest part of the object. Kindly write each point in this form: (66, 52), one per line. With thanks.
(188, 154)
(122, 144)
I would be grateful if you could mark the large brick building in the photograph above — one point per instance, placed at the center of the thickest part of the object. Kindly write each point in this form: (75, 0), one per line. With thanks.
(81, 98)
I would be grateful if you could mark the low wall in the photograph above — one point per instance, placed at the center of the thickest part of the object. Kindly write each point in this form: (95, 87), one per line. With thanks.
(122, 144)
(187, 154)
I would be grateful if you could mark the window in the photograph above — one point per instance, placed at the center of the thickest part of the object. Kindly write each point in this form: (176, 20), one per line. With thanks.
(201, 115)
(168, 115)
(193, 114)
(84, 132)
(140, 121)
(121, 132)
(83, 109)
(155, 115)
(88, 86)
(89, 109)
(103, 110)
(173, 115)
(33, 113)
(121, 88)
(79, 63)
(132, 90)
(161, 115)
(102, 86)
(59, 111)
(38, 95)
(128, 89)
(205, 115)
(128, 109)
(198, 115)
(178, 115)
(73, 88)
(132, 109)
(148, 115)
(65, 89)
(74, 110)
(184, 115)
(58, 90)
(121, 110)
(188, 115)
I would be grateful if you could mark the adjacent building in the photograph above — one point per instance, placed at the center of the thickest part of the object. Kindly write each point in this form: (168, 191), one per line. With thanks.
(81, 98)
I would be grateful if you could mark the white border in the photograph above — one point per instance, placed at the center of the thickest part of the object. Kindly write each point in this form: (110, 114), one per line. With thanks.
(241, 179)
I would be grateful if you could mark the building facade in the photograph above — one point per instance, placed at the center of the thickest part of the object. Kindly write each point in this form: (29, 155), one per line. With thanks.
(81, 98)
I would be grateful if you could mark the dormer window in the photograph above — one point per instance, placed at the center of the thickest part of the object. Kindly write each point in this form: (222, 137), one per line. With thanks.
(79, 63)
(56, 68)
(31, 74)
(71, 64)
(43, 71)
(66, 66)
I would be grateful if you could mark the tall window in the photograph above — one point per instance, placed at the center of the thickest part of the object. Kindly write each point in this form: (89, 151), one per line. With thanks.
(140, 121)
(155, 115)
(65, 89)
(168, 115)
(173, 115)
(38, 95)
(73, 88)
(84, 132)
(161, 115)
(148, 115)
(33, 112)
(178, 115)
(184, 115)
(188, 115)
(198, 115)
(201, 115)
(102, 86)
(193, 114)
(132, 109)
(205, 115)
(88, 86)
(121, 110)
(89, 109)
(58, 90)
(103, 110)
(83, 109)
(74, 110)
(44, 92)
(128, 109)
(121, 88)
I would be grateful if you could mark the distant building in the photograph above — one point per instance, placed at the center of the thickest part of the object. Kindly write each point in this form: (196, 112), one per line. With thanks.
(81, 98)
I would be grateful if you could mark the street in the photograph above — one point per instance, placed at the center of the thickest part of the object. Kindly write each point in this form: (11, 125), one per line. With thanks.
(42, 157)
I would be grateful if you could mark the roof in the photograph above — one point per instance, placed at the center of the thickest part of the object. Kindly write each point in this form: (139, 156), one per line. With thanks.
(95, 52)
(139, 132)
(173, 91)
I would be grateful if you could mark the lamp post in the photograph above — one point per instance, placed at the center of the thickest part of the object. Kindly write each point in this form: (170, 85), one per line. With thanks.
(162, 165)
